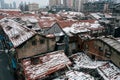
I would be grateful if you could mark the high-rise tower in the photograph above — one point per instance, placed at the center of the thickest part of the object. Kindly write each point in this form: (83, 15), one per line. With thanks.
(54, 2)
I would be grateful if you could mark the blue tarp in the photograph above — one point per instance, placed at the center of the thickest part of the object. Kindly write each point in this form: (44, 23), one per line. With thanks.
(14, 63)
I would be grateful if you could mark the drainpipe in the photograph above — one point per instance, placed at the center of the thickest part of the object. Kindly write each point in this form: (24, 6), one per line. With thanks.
(66, 40)
(48, 45)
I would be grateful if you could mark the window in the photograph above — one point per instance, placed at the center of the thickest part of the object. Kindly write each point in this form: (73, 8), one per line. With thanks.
(107, 53)
(100, 49)
(87, 47)
(117, 20)
(34, 42)
(42, 41)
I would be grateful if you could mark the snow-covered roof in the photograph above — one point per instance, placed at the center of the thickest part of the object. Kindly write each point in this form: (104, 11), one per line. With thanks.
(96, 26)
(109, 71)
(105, 68)
(47, 18)
(112, 42)
(16, 33)
(10, 10)
(83, 61)
(31, 19)
(59, 34)
(48, 64)
(67, 31)
(79, 27)
(95, 15)
(75, 75)
(108, 15)
(75, 13)
(118, 39)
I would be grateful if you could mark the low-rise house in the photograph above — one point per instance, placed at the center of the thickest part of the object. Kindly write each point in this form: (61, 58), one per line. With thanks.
(71, 15)
(71, 39)
(42, 66)
(31, 22)
(55, 31)
(104, 49)
(93, 29)
(105, 20)
(26, 41)
(105, 68)
(11, 12)
(28, 20)
(85, 31)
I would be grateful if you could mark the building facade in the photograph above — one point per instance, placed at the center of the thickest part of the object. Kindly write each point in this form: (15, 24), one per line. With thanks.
(78, 4)
(116, 20)
(54, 3)
(116, 14)
(98, 6)
(103, 49)
(33, 7)
(34, 46)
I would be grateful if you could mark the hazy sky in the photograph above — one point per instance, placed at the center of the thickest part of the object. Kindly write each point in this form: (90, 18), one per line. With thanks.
(40, 2)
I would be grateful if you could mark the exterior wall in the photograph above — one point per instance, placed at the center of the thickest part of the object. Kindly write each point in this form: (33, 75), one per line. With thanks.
(100, 50)
(73, 44)
(34, 46)
(97, 33)
(115, 57)
(116, 14)
(72, 47)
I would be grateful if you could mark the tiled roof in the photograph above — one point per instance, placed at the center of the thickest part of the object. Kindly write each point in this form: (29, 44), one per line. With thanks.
(48, 64)
(46, 23)
(65, 23)
(16, 33)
